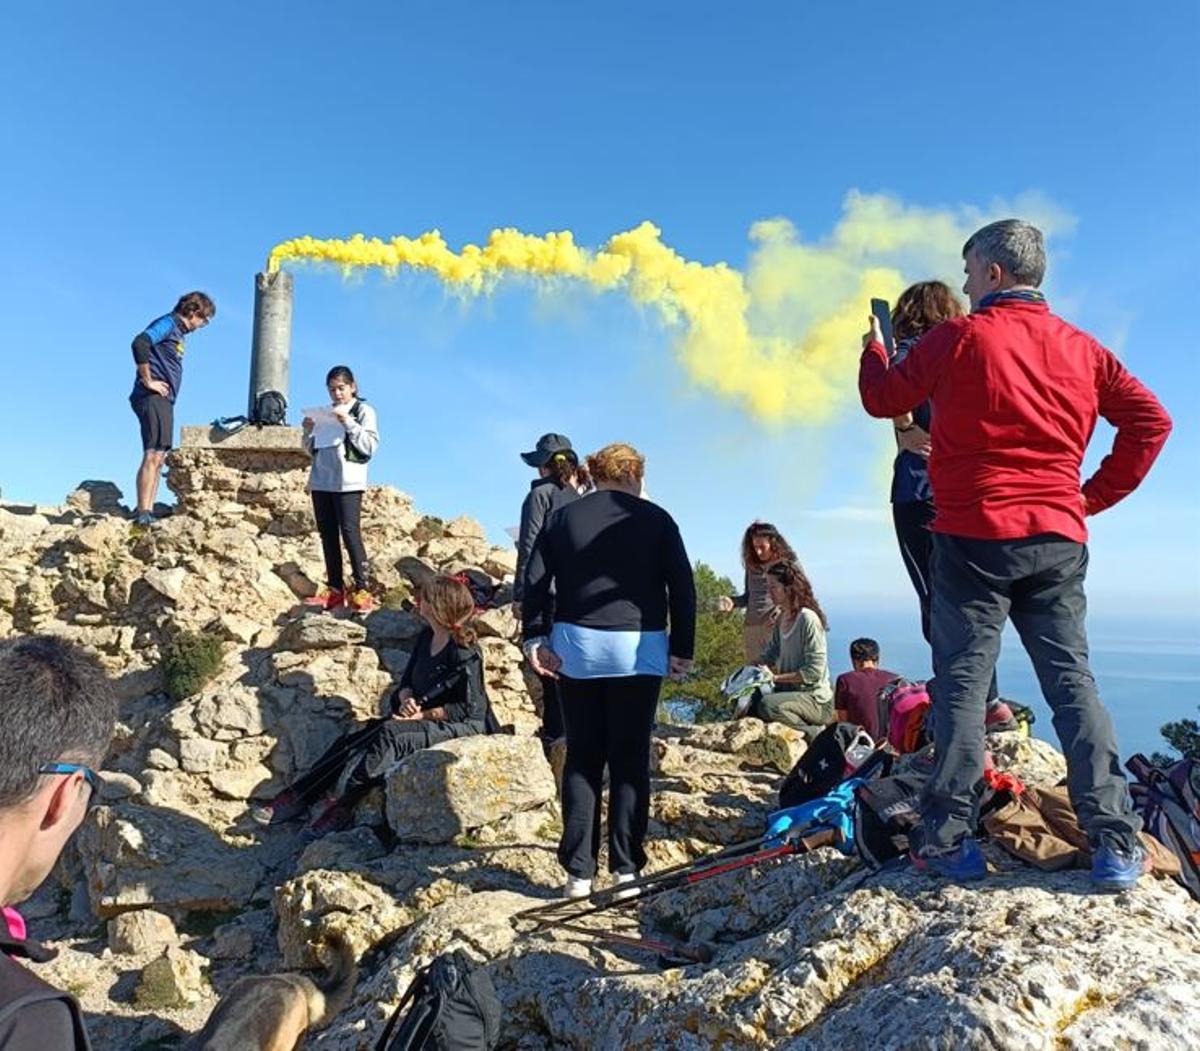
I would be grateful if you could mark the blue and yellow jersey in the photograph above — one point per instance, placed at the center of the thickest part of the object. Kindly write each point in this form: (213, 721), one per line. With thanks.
(166, 358)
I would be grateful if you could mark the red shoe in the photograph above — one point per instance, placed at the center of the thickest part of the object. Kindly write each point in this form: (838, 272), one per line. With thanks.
(326, 598)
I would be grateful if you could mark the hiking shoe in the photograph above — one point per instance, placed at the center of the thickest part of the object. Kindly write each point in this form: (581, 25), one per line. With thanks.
(622, 892)
(1115, 870)
(964, 862)
(287, 806)
(360, 600)
(576, 888)
(326, 598)
(332, 817)
(144, 519)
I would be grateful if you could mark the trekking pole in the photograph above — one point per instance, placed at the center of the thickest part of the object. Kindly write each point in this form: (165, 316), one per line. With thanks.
(671, 948)
(794, 843)
(644, 882)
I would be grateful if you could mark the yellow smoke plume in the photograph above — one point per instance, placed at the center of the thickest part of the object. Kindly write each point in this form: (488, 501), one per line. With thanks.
(780, 339)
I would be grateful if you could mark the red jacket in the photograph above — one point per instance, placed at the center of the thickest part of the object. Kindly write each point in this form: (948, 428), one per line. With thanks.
(1015, 392)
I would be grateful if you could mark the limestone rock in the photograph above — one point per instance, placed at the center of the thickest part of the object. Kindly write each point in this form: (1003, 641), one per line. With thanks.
(440, 792)
(143, 855)
(167, 582)
(141, 931)
(321, 633)
(98, 497)
(174, 979)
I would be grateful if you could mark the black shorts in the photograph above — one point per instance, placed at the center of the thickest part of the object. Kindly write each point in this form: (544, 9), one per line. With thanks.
(156, 414)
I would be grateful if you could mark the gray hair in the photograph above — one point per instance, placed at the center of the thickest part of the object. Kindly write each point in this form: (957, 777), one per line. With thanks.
(1016, 246)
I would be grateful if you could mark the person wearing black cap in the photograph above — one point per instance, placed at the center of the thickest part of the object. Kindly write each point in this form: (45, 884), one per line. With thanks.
(560, 479)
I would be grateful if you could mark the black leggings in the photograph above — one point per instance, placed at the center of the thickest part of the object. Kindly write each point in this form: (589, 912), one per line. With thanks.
(337, 517)
(608, 722)
(913, 520)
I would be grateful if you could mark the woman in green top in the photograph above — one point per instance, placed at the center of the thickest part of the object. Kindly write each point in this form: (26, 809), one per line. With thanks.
(796, 655)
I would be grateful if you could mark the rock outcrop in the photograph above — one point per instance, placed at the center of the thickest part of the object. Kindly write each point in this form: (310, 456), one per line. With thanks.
(811, 952)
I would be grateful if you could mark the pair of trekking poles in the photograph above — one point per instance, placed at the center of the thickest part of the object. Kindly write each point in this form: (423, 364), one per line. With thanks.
(819, 822)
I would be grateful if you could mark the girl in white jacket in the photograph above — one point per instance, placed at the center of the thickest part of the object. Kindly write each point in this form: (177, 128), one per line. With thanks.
(337, 481)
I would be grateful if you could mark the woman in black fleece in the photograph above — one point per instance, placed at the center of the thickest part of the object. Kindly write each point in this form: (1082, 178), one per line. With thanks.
(619, 567)
(440, 696)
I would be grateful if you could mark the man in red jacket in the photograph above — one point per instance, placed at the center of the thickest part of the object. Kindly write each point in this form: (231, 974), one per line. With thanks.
(1015, 393)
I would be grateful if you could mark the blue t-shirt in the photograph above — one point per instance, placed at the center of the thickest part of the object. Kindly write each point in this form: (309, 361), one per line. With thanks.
(166, 355)
(910, 472)
(594, 653)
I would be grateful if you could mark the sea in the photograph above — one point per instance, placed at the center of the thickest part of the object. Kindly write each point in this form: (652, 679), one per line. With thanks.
(1147, 669)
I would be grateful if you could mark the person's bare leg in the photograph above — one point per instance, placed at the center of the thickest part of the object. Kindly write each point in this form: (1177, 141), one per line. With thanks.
(147, 478)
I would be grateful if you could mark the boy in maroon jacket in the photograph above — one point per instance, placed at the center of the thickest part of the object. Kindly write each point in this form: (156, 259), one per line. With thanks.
(1016, 392)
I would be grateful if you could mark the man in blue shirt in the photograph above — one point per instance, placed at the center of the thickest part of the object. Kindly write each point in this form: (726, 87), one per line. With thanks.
(158, 355)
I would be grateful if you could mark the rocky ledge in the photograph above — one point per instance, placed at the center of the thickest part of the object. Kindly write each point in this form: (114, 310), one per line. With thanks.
(170, 893)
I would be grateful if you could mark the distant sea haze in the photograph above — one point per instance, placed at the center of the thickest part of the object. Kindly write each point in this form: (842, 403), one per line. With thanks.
(1148, 671)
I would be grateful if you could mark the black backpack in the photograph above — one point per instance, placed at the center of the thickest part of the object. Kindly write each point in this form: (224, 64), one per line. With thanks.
(453, 1008)
(270, 409)
(822, 766)
(887, 809)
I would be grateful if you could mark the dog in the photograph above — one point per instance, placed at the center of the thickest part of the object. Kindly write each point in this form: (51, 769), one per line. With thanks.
(273, 1012)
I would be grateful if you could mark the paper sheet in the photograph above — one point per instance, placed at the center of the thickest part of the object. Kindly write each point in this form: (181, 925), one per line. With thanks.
(328, 430)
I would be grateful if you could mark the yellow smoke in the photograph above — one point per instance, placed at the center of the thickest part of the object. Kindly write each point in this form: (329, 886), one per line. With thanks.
(780, 339)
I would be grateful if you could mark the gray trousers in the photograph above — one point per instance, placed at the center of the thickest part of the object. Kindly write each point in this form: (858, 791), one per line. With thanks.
(1038, 582)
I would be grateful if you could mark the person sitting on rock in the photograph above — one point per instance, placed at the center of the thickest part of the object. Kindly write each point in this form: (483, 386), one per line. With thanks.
(59, 714)
(856, 693)
(336, 484)
(796, 655)
(441, 696)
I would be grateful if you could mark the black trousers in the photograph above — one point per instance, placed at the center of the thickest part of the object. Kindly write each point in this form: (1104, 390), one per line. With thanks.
(608, 723)
(396, 739)
(912, 521)
(337, 516)
(552, 717)
(1038, 583)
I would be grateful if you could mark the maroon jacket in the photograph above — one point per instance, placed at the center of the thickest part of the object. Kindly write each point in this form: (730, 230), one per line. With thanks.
(1015, 393)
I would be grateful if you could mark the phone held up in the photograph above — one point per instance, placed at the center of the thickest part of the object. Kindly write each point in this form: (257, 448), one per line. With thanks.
(883, 314)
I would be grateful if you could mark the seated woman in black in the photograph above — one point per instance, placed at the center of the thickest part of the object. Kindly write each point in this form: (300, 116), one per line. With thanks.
(440, 696)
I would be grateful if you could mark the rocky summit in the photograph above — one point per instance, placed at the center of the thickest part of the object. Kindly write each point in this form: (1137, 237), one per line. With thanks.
(170, 893)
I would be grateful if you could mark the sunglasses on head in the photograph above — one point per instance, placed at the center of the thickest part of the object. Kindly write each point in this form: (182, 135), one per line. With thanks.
(89, 775)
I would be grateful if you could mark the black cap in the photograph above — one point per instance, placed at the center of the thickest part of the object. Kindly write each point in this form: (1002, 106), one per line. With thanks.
(547, 446)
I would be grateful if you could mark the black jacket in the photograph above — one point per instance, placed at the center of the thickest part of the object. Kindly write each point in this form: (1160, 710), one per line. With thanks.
(618, 564)
(545, 496)
(34, 1016)
(466, 699)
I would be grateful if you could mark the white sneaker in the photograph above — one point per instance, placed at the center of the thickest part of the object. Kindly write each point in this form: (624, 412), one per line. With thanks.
(629, 892)
(576, 887)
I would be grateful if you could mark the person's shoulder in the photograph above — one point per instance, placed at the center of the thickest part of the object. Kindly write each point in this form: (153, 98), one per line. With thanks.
(811, 619)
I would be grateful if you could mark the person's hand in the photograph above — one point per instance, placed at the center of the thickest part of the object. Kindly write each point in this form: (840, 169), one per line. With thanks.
(409, 709)
(679, 667)
(159, 387)
(724, 604)
(875, 335)
(308, 423)
(544, 661)
(914, 440)
(773, 614)
(342, 412)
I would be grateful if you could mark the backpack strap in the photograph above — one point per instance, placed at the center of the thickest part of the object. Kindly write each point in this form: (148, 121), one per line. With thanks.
(420, 980)
(351, 453)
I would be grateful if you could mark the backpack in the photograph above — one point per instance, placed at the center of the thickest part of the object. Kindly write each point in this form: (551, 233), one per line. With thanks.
(888, 809)
(835, 753)
(453, 1008)
(902, 707)
(1168, 800)
(270, 409)
(351, 452)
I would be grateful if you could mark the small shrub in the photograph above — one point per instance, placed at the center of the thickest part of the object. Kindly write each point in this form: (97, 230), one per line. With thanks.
(189, 661)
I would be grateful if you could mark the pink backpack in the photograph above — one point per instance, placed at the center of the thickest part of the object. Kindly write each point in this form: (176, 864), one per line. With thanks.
(902, 709)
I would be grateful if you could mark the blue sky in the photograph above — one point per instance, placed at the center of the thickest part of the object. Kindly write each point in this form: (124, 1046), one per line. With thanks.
(150, 152)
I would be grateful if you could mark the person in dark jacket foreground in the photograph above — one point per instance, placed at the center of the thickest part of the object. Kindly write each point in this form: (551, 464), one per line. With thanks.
(559, 481)
(1015, 392)
(59, 713)
(441, 696)
(620, 570)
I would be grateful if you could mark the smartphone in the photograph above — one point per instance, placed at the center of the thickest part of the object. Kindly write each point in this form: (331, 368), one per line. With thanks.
(881, 310)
